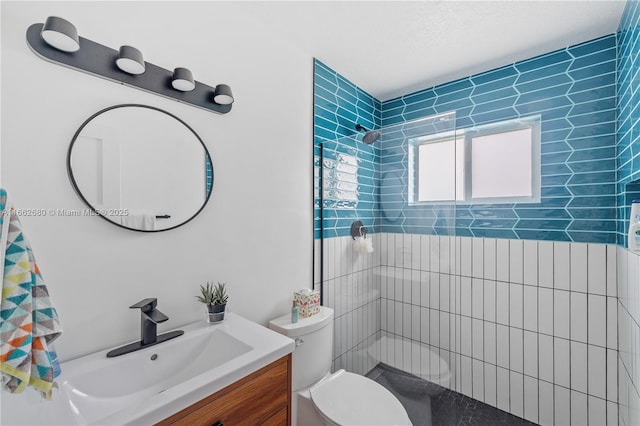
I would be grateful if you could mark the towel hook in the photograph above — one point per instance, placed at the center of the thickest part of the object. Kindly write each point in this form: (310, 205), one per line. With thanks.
(358, 230)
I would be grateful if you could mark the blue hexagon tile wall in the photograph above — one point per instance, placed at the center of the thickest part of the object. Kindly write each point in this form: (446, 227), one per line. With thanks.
(628, 99)
(350, 167)
(574, 92)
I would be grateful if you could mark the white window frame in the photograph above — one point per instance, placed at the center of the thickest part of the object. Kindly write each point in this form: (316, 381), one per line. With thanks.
(465, 196)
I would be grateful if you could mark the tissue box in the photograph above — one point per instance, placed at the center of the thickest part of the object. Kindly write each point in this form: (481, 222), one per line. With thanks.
(308, 302)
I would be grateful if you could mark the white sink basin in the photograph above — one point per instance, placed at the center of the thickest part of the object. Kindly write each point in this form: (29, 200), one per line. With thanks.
(161, 366)
(148, 385)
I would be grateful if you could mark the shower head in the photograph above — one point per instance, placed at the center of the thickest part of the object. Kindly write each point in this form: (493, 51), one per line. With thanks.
(370, 136)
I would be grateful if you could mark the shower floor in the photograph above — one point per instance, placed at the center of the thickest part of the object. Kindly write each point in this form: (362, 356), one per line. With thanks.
(429, 404)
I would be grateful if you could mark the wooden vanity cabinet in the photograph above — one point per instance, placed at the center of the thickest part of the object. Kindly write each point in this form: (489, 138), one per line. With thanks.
(261, 398)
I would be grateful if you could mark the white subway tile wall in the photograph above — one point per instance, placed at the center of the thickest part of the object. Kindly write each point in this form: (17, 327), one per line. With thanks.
(352, 285)
(530, 327)
(628, 337)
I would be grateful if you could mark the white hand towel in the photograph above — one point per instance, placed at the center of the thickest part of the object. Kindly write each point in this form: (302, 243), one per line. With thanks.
(143, 221)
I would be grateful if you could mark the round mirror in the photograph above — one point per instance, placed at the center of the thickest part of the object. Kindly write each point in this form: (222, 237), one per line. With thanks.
(140, 168)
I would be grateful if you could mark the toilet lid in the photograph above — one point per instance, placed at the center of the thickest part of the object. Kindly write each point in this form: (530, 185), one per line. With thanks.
(351, 399)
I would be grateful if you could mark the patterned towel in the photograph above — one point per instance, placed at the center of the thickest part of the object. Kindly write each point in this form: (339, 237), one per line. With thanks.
(28, 321)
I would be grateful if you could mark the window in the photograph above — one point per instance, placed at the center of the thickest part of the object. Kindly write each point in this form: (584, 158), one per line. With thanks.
(501, 165)
(495, 163)
(440, 170)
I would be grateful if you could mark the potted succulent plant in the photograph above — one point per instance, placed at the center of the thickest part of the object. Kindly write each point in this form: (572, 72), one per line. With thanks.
(215, 297)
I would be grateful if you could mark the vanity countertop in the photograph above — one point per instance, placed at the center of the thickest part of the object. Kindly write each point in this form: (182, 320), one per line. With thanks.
(151, 384)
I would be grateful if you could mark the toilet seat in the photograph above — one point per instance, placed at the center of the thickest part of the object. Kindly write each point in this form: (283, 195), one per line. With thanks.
(350, 399)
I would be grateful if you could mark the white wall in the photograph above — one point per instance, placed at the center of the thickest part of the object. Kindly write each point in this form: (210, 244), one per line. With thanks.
(255, 233)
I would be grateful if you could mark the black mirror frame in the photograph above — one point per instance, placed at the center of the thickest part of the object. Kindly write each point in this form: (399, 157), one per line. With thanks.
(96, 211)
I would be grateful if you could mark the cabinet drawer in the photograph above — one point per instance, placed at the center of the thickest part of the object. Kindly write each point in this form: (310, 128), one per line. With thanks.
(256, 399)
(278, 419)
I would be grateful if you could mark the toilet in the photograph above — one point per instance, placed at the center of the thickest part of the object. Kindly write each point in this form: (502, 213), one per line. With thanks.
(324, 398)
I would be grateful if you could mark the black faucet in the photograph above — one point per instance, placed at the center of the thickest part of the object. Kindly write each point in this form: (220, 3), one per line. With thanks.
(149, 319)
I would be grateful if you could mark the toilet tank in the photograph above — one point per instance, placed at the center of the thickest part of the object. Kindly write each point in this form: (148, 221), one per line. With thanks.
(314, 346)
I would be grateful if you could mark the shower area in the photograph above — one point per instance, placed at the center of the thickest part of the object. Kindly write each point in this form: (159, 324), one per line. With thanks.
(399, 314)
(395, 307)
(469, 313)
(396, 304)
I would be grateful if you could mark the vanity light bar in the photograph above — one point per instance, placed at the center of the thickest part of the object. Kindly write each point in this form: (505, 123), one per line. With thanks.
(125, 66)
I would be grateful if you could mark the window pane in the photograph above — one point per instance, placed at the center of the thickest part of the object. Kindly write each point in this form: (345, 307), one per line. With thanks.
(437, 171)
(501, 164)
(460, 169)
